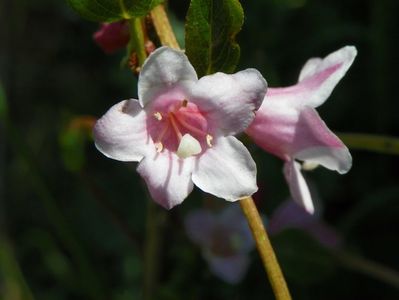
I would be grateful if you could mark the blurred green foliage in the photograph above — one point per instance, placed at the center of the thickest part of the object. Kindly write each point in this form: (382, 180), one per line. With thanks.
(73, 223)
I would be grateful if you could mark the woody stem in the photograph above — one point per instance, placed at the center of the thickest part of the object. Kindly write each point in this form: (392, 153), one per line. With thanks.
(265, 249)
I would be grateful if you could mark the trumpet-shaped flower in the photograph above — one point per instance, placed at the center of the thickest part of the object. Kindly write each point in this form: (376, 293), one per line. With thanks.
(181, 129)
(287, 124)
(225, 241)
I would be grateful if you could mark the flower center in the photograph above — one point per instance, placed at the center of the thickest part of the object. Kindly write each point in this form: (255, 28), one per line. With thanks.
(180, 127)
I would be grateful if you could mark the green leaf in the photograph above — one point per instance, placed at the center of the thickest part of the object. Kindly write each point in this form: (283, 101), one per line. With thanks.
(112, 10)
(211, 27)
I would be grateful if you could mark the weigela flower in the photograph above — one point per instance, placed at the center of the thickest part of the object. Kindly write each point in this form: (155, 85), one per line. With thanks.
(225, 240)
(288, 125)
(181, 129)
(112, 36)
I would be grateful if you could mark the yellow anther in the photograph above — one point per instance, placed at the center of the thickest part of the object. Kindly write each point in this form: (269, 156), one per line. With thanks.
(159, 147)
(158, 116)
(209, 139)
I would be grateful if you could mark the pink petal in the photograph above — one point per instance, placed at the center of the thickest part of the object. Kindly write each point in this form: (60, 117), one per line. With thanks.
(168, 177)
(230, 269)
(314, 142)
(230, 100)
(289, 133)
(112, 36)
(226, 170)
(121, 133)
(317, 80)
(297, 184)
(291, 215)
(199, 225)
(165, 69)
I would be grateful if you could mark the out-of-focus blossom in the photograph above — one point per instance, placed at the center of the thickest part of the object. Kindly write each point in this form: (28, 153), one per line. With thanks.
(112, 36)
(291, 215)
(225, 240)
(181, 129)
(287, 124)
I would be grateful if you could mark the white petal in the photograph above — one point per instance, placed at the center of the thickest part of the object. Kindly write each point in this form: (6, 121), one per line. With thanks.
(226, 170)
(199, 226)
(121, 133)
(297, 184)
(314, 143)
(165, 69)
(167, 176)
(230, 100)
(188, 146)
(230, 269)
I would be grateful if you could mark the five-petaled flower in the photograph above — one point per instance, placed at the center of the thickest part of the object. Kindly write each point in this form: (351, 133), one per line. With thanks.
(225, 240)
(181, 129)
(288, 125)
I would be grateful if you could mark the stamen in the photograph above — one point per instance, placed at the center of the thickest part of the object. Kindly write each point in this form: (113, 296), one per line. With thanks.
(188, 146)
(209, 140)
(158, 116)
(174, 125)
(159, 147)
(184, 103)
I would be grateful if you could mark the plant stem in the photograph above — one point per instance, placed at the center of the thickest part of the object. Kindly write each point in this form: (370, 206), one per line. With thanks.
(371, 142)
(137, 40)
(265, 249)
(163, 28)
(368, 267)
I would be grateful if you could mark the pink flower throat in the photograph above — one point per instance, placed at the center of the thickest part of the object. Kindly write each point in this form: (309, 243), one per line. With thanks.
(169, 123)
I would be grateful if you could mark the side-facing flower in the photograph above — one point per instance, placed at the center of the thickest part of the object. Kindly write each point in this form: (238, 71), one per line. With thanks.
(181, 129)
(225, 240)
(287, 124)
(112, 36)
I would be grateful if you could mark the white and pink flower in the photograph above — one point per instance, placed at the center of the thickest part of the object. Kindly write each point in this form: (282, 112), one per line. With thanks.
(181, 129)
(225, 240)
(288, 126)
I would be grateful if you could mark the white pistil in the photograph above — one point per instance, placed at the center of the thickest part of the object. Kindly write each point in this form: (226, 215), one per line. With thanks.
(309, 165)
(188, 146)
(158, 116)
(209, 139)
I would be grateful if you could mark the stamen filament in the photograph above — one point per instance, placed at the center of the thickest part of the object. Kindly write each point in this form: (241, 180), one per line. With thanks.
(163, 132)
(174, 125)
(190, 127)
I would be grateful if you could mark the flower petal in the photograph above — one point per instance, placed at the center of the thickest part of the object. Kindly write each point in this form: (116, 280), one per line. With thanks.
(230, 100)
(240, 235)
(315, 143)
(290, 215)
(199, 225)
(167, 176)
(226, 170)
(121, 133)
(289, 133)
(317, 79)
(165, 69)
(297, 184)
(230, 269)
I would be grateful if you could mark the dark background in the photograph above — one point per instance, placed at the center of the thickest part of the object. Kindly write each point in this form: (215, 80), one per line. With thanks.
(73, 223)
